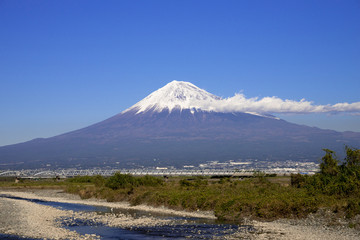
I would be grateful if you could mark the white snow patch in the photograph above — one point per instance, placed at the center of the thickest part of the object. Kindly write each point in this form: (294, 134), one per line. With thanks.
(177, 95)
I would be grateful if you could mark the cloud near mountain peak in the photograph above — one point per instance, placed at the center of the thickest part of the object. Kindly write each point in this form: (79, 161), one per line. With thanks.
(185, 95)
(239, 103)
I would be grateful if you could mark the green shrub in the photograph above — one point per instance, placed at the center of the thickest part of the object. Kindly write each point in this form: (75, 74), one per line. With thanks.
(352, 208)
(185, 183)
(98, 180)
(329, 164)
(80, 179)
(118, 181)
(150, 181)
(297, 180)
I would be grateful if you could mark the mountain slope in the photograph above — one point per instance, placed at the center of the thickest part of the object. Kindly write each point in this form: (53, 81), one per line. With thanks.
(176, 125)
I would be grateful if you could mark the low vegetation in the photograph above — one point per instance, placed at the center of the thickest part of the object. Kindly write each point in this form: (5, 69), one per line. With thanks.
(336, 187)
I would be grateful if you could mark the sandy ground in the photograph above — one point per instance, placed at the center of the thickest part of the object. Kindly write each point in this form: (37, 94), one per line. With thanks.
(29, 219)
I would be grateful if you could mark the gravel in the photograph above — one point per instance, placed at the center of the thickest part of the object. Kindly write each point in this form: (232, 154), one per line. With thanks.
(27, 219)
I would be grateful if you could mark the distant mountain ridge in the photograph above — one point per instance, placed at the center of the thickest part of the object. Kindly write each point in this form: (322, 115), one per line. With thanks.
(174, 126)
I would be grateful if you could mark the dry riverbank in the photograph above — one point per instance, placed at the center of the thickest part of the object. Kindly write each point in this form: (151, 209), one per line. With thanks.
(29, 219)
(60, 196)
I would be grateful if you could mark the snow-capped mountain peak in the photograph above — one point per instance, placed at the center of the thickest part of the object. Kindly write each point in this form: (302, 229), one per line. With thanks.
(185, 95)
(177, 95)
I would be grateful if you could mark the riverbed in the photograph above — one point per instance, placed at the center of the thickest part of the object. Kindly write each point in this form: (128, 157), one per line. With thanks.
(53, 214)
(41, 214)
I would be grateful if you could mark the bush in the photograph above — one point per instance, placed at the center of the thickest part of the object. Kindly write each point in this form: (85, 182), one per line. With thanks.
(352, 208)
(329, 165)
(297, 180)
(97, 180)
(80, 179)
(118, 181)
(150, 181)
(186, 183)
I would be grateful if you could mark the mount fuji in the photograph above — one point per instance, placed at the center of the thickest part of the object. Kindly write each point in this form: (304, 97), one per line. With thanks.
(179, 124)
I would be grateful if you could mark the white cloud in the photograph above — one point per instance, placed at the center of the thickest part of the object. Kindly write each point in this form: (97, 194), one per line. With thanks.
(277, 105)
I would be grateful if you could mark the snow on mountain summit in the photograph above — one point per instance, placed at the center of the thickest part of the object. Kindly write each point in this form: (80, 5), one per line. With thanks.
(177, 95)
(185, 95)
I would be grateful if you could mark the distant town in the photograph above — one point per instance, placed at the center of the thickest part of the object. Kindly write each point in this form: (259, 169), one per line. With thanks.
(249, 167)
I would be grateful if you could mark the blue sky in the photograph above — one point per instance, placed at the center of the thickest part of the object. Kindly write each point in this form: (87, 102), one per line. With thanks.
(67, 64)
